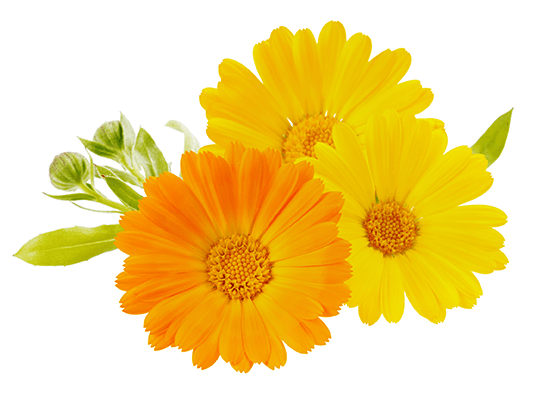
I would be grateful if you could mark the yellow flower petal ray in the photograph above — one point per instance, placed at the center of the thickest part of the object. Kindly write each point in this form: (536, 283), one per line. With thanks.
(302, 78)
(404, 160)
(276, 67)
(419, 292)
(331, 41)
(305, 56)
(392, 291)
(366, 282)
(350, 68)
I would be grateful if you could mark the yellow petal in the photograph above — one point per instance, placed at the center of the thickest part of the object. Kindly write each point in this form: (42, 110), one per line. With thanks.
(419, 293)
(330, 43)
(392, 291)
(276, 66)
(305, 55)
(366, 284)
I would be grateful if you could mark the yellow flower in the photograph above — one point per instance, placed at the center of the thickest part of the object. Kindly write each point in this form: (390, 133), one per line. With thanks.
(235, 259)
(307, 88)
(402, 217)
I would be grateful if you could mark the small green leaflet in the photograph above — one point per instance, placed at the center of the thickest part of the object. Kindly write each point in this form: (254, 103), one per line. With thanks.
(190, 141)
(98, 211)
(72, 197)
(492, 142)
(128, 133)
(69, 246)
(100, 149)
(149, 155)
(126, 194)
(116, 173)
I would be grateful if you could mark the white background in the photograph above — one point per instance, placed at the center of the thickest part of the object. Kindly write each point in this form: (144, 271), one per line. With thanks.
(66, 67)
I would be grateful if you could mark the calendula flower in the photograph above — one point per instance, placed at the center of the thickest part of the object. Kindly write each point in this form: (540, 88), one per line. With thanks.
(235, 259)
(307, 88)
(404, 218)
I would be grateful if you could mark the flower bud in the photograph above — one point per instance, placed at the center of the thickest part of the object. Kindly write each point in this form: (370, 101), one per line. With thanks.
(111, 135)
(68, 170)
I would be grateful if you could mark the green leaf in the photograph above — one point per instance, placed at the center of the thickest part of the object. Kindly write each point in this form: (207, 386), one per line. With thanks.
(128, 133)
(126, 194)
(100, 149)
(117, 173)
(69, 246)
(190, 141)
(149, 155)
(98, 211)
(72, 197)
(92, 171)
(492, 142)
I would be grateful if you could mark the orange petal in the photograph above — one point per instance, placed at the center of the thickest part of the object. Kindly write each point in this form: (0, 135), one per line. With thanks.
(231, 343)
(285, 326)
(254, 334)
(201, 321)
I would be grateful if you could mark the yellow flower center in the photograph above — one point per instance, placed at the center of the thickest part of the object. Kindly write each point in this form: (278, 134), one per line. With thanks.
(390, 227)
(239, 266)
(302, 137)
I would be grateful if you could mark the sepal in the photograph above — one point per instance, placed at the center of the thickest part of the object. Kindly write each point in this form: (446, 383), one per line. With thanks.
(125, 194)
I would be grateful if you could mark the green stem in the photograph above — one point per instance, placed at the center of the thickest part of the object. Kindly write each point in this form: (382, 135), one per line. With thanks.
(138, 175)
(104, 200)
(133, 171)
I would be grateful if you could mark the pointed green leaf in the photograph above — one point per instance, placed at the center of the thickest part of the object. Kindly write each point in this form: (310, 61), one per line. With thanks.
(190, 141)
(98, 211)
(100, 149)
(92, 170)
(72, 197)
(117, 173)
(128, 132)
(126, 194)
(69, 246)
(493, 140)
(149, 155)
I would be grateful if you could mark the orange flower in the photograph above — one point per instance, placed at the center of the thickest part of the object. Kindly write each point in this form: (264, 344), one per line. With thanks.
(235, 259)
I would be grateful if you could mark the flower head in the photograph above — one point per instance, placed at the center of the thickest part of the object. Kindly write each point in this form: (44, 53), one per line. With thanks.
(307, 88)
(110, 134)
(69, 170)
(237, 258)
(404, 219)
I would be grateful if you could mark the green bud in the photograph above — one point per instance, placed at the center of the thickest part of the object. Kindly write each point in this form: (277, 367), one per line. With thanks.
(68, 170)
(110, 135)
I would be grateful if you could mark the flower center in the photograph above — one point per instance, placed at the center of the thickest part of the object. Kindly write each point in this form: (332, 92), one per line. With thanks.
(390, 227)
(239, 266)
(302, 138)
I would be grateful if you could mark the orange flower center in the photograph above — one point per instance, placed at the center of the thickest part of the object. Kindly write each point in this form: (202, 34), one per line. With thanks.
(239, 266)
(302, 137)
(390, 227)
